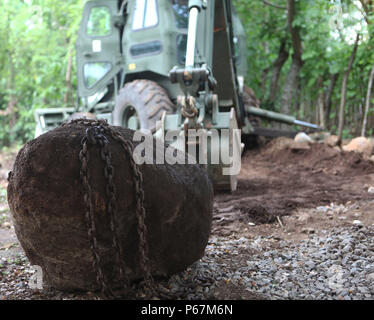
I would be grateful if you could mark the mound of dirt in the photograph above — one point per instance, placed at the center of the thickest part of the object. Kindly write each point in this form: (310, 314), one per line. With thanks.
(277, 179)
(275, 146)
(318, 156)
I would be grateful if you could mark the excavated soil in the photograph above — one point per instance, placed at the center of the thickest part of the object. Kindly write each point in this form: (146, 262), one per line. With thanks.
(276, 180)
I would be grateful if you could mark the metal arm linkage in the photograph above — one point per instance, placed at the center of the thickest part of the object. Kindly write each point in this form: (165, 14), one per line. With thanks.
(191, 76)
(191, 37)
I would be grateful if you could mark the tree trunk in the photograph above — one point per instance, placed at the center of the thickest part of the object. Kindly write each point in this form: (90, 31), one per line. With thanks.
(367, 5)
(321, 108)
(367, 102)
(320, 104)
(296, 106)
(344, 90)
(69, 87)
(264, 78)
(371, 121)
(278, 64)
(12, 102)
(290, 87)
(292, 79)
(328, 96)
(10, 87)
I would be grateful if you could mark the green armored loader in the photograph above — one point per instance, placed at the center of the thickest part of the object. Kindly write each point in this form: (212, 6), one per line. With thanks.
(164, 65)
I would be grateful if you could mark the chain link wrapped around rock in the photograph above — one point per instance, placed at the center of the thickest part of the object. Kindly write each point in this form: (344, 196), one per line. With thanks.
(95, 135)
(140, 211)
(90, 221)
(187, 106)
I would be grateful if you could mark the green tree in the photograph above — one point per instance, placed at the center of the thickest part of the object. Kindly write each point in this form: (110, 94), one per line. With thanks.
(37, 48)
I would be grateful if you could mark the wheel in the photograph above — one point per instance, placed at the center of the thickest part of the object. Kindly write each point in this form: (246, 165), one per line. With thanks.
(140, 104)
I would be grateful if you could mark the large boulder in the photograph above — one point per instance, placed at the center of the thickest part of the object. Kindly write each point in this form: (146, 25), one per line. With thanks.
(302, 137)
(46, 199)
(361, 145)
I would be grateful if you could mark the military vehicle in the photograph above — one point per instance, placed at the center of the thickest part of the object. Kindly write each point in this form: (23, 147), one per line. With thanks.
(164, 65)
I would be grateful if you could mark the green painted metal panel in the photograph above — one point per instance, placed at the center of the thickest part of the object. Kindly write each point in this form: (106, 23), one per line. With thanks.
(99, 56)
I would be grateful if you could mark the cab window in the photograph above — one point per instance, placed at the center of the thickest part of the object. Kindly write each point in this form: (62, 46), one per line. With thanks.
(145, 14)
(99, 22)
(94, 72)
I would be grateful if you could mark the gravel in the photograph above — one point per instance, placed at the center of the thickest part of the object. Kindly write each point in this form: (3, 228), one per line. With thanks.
(335, 264)
(338, 264)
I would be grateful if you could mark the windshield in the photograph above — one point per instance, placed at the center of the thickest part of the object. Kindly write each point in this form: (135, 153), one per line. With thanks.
(181, 13)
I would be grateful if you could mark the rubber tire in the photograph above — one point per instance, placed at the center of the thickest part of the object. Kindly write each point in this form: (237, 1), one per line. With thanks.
(149, 100)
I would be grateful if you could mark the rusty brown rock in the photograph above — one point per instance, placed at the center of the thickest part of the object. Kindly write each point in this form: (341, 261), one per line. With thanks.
(332, 140)
(361, 145)
(46, 200)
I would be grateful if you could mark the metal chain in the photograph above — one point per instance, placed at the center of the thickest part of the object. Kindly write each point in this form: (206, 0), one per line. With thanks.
(112, 210)
(137, 176)
(95, 135)
(187, 106)
(90, 221)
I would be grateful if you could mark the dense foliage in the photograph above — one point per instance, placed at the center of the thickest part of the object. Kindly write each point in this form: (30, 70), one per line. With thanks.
(327, 31)
(37, 37)
(298, 51)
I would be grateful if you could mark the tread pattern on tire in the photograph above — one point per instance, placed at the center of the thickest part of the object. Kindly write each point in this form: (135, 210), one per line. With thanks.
(151, 97)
